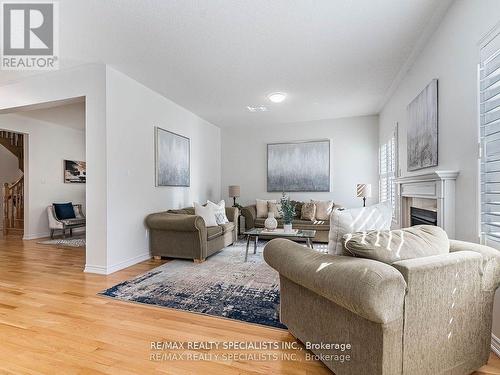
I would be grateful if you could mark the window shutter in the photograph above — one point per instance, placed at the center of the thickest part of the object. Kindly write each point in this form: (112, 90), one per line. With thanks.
(489, 111)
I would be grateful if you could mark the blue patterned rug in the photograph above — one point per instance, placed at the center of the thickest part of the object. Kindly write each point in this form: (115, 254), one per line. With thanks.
(224, 285)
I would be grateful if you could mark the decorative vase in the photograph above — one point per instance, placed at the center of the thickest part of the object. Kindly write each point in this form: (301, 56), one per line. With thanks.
(287, 228)
(270, 223)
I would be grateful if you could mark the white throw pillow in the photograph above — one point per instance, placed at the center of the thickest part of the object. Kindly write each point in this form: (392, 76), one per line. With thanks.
(220, 211)
(376, 217)
(323, 209)
(262, 208)
(207, 213)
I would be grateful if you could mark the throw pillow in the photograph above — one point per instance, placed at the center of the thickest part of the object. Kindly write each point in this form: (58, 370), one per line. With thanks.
(207, 213)
(262, 207)
(323, 209)
(64, 211)
(395, 245)
(376, 217)
(308, 211)
(275, 208)
(219, 211)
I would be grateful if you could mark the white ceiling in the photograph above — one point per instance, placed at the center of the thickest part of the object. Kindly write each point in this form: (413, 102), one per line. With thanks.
(334, 58)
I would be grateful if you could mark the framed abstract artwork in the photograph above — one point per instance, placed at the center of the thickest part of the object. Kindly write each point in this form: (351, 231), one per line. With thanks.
(172, 158)
(422, 136)
(298, 166)
(75, 172)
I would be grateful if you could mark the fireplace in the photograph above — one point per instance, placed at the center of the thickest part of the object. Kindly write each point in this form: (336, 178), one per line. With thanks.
(420, 216)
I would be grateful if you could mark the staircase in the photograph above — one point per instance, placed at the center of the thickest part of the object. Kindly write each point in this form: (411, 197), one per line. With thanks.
(13, 194)
(14, 142)
(13, 207)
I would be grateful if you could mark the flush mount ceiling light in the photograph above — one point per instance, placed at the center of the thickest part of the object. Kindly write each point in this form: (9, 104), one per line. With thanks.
(259, 108)
(277, 97)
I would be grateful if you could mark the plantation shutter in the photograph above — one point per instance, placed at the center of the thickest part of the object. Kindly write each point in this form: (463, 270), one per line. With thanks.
(387, 172)
(489, 111)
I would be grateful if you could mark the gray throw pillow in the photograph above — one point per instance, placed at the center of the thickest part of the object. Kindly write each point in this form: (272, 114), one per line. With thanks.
(389, 246)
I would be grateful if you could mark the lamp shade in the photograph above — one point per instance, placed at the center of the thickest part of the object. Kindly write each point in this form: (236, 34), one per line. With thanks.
(234, 191)
(364, 190)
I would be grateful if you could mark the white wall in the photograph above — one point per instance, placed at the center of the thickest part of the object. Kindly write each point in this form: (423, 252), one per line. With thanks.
(9, 173)
(451, 56)
(48, 145)
(87, 81)
(133, 111)
(354, 158)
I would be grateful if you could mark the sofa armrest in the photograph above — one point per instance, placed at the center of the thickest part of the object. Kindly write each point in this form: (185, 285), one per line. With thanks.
(232, 214)
(175, 222)
(490, 265)
(370, 289)
(250, 214)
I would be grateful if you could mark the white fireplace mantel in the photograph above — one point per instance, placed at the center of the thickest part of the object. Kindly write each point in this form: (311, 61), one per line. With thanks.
(438, 186)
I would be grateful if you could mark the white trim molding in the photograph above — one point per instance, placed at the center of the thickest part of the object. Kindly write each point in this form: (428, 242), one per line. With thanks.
(107, 270)
(437, 187)
(495, 344)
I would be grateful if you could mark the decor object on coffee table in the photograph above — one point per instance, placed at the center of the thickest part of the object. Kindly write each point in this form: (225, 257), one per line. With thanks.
(294, 235)
(172, 159)
(271, 223)
(364, 191)
(298, 166)
(234, 192)
(422, 136)
(287, 212)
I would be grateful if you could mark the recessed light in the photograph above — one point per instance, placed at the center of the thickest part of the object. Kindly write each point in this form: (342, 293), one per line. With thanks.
(277, 97)
(259, 108)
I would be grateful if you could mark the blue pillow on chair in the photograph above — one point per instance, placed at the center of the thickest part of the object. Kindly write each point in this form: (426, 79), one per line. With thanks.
(64, 210)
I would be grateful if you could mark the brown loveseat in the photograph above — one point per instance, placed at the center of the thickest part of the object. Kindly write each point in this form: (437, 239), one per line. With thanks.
(182, 234)
(322, 227)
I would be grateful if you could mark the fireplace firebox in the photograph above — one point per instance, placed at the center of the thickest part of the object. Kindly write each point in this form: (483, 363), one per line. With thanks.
(419, 216)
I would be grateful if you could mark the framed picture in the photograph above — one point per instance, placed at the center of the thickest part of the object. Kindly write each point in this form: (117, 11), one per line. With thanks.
(422, 137)
(298, 166)
(172, 159)
(75, 172)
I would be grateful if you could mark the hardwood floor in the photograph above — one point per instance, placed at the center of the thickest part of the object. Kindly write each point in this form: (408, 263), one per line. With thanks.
(52, 322)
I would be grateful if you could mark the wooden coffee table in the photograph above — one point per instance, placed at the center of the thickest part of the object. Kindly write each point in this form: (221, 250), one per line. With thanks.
(306, 235)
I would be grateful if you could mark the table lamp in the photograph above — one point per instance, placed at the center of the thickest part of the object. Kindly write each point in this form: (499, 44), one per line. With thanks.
(234, 192)
(364, 191)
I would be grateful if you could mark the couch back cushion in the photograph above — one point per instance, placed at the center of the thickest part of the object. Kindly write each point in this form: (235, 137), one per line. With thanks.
(308, 211)
(394, 245)
(262, 206)
(323, 209)
(342, 222)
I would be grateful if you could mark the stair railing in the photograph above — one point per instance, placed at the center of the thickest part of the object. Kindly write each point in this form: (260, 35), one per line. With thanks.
(13, 207)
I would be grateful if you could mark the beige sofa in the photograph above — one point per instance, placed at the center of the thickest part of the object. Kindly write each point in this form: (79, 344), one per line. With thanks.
(430, 315)
(182, 234)
(321, 227)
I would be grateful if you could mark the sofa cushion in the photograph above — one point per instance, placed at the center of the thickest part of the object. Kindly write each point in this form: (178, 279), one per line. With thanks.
(376, 217)
(207, 214)
(390, 246)
(275, 208)
(220, 211)
(227, 227)
(262, 207)
(214, 232)
(323, 209)
(308, 211)
(64, 211)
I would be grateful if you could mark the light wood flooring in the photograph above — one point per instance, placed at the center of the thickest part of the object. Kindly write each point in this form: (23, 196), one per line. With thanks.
(52, 322)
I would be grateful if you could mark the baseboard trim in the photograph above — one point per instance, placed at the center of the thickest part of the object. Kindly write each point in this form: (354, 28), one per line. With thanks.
(102, 270)
(36, 236)
(129, 262)
(495, 344)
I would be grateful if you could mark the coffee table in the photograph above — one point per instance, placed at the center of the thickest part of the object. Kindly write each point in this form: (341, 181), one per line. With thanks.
(306, 235)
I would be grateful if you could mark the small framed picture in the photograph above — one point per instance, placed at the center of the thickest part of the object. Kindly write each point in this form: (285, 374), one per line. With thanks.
(75, 172)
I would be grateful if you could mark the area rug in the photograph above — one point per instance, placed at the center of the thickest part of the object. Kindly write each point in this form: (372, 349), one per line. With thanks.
(224, 286)
(71, 242)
